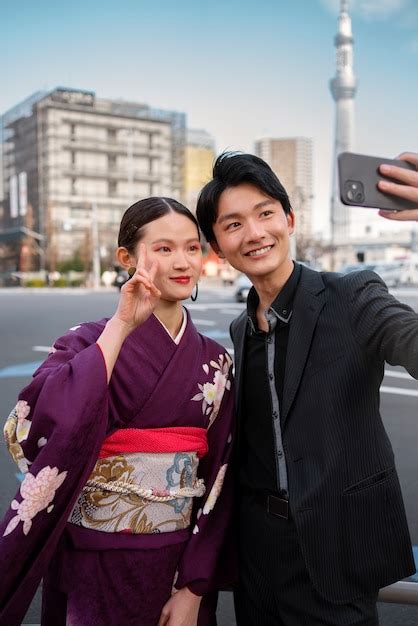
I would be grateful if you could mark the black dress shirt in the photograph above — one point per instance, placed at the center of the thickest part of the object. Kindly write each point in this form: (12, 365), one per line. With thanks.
(261, 451)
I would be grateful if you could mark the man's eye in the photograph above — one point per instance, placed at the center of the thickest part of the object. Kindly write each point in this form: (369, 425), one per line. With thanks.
(267, 213)
(233, 225)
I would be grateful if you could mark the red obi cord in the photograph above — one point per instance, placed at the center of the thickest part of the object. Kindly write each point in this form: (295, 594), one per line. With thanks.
(157, 440)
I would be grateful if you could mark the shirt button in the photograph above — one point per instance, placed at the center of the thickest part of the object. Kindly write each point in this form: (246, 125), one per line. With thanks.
(284, 311)
(280, 453)
(275, 415)
(269, 339)
(271, 376)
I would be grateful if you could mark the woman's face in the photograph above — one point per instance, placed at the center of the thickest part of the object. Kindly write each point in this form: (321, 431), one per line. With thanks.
(172, 240)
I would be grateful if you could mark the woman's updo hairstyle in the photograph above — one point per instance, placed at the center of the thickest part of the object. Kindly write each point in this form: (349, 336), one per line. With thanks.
(142, 213)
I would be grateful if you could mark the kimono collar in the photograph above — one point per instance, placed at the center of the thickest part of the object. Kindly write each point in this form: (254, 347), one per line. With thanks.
(180, 334)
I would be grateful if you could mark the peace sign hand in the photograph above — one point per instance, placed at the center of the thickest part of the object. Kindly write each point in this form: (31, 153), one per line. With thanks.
(139, 296)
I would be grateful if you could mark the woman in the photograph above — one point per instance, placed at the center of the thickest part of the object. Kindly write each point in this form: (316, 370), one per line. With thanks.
(124, 436)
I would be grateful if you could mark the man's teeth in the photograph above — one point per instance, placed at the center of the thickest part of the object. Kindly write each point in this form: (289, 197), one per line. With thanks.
(260, 251)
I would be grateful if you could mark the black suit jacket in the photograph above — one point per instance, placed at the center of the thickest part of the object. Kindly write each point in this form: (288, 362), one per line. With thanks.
(344, 490)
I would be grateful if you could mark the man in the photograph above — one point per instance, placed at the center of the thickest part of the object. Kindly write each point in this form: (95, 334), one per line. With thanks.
(322, 522)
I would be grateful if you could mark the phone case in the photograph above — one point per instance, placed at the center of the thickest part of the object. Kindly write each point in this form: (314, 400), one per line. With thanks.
(358, 177)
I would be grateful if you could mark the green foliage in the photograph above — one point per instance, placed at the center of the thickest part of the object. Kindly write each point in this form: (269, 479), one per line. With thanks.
(75, 264)
(35, 282)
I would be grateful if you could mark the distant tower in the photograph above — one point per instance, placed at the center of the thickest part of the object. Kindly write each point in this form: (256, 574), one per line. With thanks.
(343, 89)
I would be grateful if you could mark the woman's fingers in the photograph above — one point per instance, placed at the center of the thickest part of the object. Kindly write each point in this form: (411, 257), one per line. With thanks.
(153, 270)
(164, 617)
(142, 256)
(146, 286)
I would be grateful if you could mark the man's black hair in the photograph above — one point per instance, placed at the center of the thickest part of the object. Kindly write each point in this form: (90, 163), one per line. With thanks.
(230, 170)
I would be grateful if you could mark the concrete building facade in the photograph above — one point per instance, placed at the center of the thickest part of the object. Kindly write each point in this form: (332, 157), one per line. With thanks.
(198, 164)
(291, 159)
(71, 158)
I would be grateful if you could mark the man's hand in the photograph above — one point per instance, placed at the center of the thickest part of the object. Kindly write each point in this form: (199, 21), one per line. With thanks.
(408, 190)
(182, 609)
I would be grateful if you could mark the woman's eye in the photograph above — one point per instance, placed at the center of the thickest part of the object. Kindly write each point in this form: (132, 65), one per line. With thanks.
(163, 249)
(194, 248)
(232, 225)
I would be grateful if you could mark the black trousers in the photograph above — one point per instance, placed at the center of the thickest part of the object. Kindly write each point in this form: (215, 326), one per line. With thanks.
(275, 588)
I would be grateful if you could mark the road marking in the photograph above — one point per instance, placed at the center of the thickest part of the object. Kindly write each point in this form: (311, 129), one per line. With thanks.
(41, 348)
(399, 391)
(231, 311)
(216, 334)
(204, 322)
(398, 374)
(23, 369)
(213, 305)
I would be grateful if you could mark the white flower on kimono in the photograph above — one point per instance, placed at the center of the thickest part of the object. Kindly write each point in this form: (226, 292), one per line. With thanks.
(22, 409)
(37, 494)
(215, 491)
(211, 393)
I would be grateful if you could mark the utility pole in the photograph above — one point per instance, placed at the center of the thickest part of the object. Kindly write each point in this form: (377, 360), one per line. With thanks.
(95, 245)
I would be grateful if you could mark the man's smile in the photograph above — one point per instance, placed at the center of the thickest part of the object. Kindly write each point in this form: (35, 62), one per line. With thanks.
(259, 251)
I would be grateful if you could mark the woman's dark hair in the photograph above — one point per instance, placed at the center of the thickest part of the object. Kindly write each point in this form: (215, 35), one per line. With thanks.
(230, 170)
(142, 213)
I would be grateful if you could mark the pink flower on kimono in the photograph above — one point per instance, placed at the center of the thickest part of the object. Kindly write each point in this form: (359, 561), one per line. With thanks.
(37, 494)
(215, 491)
(22, 409)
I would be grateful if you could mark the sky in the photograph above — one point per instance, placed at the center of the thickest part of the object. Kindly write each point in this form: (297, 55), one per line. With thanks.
(241, 70)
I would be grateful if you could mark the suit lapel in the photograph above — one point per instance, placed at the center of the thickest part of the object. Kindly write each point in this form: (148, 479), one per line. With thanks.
(240, 329)
(308, 303)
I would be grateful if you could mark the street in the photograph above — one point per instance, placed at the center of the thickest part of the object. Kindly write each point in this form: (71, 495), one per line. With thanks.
(30, 321)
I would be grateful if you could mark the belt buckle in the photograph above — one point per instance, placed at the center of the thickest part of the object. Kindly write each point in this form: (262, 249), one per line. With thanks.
(279, 507)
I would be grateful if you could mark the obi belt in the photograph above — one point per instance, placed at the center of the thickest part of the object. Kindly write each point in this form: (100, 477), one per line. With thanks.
(144, 481)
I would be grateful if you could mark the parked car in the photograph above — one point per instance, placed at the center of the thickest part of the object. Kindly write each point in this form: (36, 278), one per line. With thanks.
(227, 273)
(242, 288)
(121, 277)
(391, 272)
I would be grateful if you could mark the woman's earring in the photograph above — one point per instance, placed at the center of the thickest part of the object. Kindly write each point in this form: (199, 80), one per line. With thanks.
(131, 271)
(194, 297)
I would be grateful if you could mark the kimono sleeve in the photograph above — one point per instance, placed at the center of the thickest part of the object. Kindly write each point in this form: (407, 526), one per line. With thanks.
(54, 434)
(212, 538)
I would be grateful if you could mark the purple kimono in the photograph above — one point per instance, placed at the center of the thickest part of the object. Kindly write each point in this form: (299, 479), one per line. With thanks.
(111, 530)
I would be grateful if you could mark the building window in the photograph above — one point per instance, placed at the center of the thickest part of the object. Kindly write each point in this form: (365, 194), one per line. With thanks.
(72, 158)
(72, 131)
(113, 188)
(73, 187)
(111, 134)
(111, 162)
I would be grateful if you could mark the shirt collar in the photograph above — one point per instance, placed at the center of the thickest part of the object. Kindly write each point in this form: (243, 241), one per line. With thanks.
(282, 305)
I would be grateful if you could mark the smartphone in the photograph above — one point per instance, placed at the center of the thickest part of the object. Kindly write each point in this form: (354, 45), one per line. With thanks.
(358, 177)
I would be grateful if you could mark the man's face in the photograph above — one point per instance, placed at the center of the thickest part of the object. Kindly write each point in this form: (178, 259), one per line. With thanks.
(252, 232)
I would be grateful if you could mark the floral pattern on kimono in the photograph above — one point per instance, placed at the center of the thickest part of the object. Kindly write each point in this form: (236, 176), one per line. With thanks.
(72, 409)
(212, 391)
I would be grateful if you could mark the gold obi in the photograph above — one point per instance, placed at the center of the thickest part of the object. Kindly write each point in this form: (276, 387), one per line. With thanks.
(140, 493)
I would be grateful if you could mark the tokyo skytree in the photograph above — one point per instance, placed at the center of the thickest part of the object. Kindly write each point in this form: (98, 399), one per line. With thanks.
(343, 89)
